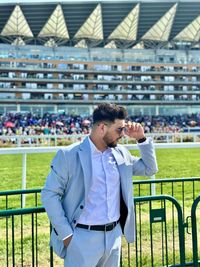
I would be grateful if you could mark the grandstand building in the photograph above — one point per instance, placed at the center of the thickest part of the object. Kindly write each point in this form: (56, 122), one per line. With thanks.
(71, 56)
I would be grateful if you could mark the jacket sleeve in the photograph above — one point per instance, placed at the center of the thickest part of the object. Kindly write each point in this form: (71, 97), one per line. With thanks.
(53, 192)
(146, 165)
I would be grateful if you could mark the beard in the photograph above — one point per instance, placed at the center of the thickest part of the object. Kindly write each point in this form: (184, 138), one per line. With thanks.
(110, 143)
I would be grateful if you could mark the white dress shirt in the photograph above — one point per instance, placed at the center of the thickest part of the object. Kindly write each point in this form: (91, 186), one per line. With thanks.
(102, 205)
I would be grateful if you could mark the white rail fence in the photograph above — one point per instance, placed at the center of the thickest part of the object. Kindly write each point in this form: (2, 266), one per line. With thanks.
(55, 140)
(30, 150)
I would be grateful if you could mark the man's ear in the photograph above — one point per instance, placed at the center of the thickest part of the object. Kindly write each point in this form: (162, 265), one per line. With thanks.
(101, 127)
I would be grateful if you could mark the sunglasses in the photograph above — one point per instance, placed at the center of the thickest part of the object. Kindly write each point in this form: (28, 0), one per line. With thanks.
(118, 130)
(121, 129)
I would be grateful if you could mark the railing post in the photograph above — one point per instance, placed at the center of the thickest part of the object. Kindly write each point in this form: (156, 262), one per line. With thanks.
(19, 141)
(194, 232)
(49, 141)
(153, 186)
(181, 138)
(24, 159)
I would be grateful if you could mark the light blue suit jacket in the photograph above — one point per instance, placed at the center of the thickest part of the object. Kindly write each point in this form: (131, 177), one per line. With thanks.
(69, 182)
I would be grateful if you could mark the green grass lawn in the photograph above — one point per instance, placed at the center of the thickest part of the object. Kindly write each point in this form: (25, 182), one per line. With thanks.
(172, 163)
(178, 163)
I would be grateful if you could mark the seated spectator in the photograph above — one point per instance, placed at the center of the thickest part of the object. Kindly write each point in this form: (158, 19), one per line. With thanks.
(64, 124)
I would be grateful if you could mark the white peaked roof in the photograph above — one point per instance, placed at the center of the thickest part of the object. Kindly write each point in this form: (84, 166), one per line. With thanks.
(110, 23)
(190, 33)
(111, 45)
(197, 46)
(92, 28)
(51, 43)
(161, 30)
(18, 41)
(55, 26)
(17, 24)
(139, 46)
(127, 29)
(81, 44)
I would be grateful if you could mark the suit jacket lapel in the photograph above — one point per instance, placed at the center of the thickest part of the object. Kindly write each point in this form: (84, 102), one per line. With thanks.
(86, 163)
(119, 159)
(123, 207)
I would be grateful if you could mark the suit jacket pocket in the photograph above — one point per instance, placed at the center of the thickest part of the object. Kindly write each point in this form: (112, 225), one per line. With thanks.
(57, 245)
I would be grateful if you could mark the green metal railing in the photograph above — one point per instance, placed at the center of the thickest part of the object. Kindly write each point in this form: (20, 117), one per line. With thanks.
(157, 241)
(185, 190)
(161, 221)
(13, 199)
(14, 225)
(20, 237)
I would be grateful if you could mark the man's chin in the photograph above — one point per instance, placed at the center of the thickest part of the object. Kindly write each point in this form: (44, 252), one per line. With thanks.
(112, 145)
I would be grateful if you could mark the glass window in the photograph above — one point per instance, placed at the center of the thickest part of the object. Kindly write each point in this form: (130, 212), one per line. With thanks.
(25, 109)
(10, 109)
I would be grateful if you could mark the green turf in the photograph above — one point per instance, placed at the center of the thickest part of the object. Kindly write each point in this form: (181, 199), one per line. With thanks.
(172, 163)
(178, 163)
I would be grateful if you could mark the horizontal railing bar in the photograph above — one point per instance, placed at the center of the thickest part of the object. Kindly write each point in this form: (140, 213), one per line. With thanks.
(71, 136)
(42, 209)
(6, 213)
(158, 197)
(179, 265)
(167, 180)
(31, 150)
(23, 211)
(168, 145)
(20, 191)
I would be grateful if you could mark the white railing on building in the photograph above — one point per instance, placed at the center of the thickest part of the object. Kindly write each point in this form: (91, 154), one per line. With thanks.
(31, 150)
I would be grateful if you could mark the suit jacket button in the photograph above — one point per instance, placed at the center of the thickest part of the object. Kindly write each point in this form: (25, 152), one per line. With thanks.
(81, 206)
(74, 221)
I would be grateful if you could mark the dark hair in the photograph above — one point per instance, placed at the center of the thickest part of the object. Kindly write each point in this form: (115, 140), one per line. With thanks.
(109, 112)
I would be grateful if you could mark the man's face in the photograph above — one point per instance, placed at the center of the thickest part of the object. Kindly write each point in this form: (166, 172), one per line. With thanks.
(113, 132)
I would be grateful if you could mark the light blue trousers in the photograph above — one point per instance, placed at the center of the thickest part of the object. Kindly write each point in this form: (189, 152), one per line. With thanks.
(90, 248)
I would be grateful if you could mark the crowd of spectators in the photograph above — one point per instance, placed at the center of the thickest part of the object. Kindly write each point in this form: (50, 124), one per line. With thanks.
(64, 124)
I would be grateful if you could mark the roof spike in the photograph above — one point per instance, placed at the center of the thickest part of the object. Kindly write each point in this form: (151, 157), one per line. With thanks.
(111, 45)
(190, 33)
(17, 24)
(51, 43)
(55, 26)
(81, 44)
(139, 45)
(161, 30)
(18, 41)
(92, 28)
(127, 29)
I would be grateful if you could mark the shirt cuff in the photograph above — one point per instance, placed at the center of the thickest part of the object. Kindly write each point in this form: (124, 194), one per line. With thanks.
(147, 141)
(67, 236)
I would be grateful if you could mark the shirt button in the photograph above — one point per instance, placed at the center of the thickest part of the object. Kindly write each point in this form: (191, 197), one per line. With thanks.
(81, 206)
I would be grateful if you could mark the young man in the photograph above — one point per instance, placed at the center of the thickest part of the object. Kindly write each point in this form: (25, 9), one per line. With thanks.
(88, 194)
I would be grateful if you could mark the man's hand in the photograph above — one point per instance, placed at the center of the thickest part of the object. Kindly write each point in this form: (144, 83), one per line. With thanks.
(134, 130)
(67, 240)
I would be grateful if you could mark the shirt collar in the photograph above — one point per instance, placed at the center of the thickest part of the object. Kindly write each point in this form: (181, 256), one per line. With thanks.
(95, 150)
